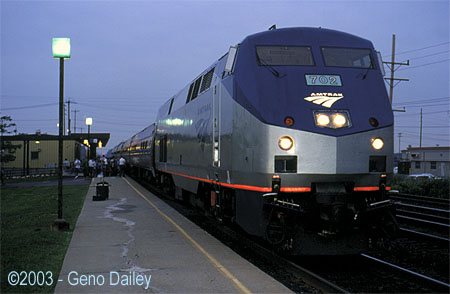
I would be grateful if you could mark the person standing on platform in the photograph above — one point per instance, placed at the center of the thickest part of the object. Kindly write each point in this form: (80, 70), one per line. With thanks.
(66, 164)
(91, 167)
(77, 165)
(104, 162)
(98, 167)
(122, 163)
(113, 165)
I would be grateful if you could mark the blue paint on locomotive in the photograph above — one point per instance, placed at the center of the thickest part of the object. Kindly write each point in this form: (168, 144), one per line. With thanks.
(271, 99)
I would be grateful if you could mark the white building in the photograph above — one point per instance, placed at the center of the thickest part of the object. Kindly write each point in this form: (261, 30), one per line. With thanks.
(433, 160)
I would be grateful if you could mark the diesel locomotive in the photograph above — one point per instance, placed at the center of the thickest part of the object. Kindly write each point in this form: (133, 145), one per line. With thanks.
(289, 135)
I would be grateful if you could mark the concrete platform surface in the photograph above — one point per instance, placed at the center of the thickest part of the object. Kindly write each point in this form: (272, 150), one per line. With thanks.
(135, 243)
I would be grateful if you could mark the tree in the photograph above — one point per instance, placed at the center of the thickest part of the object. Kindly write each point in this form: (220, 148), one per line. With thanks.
(8, 149)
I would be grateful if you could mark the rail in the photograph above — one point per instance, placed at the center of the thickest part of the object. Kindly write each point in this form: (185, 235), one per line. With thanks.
(221, 231)
(433, 282)
(421, 199)
(439, 238)
(422, 215)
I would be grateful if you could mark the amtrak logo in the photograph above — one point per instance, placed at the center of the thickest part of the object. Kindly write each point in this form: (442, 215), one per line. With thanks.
(324, 99)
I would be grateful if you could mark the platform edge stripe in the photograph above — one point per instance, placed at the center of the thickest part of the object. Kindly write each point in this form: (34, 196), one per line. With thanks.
(239, 286)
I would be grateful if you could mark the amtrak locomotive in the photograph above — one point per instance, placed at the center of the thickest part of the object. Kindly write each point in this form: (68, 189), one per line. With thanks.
(289, 135)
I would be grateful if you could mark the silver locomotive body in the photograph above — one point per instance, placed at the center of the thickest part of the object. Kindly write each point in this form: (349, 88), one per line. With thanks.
(221, 148)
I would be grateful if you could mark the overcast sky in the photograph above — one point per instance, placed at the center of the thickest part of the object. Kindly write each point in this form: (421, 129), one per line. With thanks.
(128, 57)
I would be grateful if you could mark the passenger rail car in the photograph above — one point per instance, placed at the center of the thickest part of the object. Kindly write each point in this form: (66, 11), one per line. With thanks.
(289, 135)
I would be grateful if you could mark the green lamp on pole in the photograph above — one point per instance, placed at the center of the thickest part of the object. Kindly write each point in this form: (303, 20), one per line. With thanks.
(61, 47)
(61, 50)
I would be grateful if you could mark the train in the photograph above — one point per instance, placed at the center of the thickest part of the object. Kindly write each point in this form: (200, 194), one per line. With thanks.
(289, 135)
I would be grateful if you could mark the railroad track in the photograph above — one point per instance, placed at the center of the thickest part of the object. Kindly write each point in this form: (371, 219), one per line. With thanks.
(343, 280)
(426, 216)
(428, 282)
(299, 278)
(292, 275)
(428, 201)
(366, 274)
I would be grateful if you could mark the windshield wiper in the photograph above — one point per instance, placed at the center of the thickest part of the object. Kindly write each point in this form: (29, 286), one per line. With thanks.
(269, 67)
(364, 76)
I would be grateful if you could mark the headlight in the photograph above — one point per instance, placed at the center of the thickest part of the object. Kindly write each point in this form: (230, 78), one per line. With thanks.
(377, 143)
(332, 119)
(339, 120)
(322, 120)
(286, 143)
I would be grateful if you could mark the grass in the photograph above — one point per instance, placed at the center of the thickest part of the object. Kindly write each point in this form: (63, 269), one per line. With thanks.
(27, 243)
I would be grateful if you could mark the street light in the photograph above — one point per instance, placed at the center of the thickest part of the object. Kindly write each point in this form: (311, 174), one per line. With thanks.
(89, 123)
(61, 47)
(61, 50)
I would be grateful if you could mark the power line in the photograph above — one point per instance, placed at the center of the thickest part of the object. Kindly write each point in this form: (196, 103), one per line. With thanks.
(428, 100)
(445, 60)
(163, 97)
(438, 53)
(110, 108)
(426, 136)
(428, 127)
(30, 106)
(51, 119)
(422, 105)
(427, 105)
(28, 96)
(419, 49)
(115, 123)
(434, 112)
(433, 137)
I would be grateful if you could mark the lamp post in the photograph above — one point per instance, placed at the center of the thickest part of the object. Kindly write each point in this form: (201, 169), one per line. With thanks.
(89, 123)
(61, 50)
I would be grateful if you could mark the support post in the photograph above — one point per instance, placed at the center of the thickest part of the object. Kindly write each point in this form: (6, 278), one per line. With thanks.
(68, 117)
(60, 136)
(420, 140)
(28, 158)
(89, 142)
(75, 122)
(24, 171)
(391, 84)
(60, 224)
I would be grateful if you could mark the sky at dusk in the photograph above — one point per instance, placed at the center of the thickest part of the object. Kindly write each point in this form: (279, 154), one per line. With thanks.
(129, 57)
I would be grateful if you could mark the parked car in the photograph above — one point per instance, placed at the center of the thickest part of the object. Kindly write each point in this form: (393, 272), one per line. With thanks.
(423, 176)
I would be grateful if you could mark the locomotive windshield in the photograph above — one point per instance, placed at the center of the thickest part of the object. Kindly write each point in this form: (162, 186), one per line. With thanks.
(347, 57)
(284, 55)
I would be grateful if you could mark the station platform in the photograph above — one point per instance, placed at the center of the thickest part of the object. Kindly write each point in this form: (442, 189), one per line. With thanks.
(135, 243)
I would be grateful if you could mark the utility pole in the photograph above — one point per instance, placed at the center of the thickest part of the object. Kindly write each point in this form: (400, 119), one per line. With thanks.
(75, 122)
(420, 140)
(64, 119)
(391, 66)
(399, 136)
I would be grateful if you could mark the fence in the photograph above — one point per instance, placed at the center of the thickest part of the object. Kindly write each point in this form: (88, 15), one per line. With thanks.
(18, 172)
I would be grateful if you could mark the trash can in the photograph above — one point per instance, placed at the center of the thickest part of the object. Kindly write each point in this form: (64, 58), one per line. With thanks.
(102, 191)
